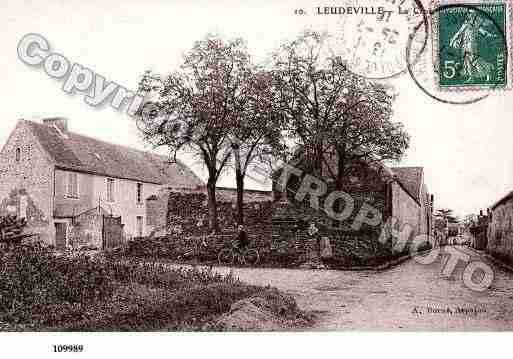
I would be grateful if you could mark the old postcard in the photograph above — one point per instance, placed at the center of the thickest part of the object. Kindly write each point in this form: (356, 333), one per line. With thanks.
(235, 166)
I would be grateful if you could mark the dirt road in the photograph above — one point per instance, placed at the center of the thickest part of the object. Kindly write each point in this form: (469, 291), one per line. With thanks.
(410, 296)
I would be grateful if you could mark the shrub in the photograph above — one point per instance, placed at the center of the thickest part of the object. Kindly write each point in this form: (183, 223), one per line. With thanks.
(42, 291)
(170, 247)
(151, 248)
(33, 279)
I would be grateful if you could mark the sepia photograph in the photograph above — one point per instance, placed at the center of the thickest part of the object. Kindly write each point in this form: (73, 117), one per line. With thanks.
(196, 172)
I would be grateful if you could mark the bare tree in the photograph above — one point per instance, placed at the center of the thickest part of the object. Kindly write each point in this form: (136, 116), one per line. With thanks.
(193, 108)
(336, 117)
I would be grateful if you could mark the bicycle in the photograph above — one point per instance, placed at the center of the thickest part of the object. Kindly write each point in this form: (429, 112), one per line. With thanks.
(227, 255)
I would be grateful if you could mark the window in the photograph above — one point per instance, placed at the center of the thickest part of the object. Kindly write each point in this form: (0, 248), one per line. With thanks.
(110, 190)
(139, 226)
(18, 154)
(72, 187)
(139, 193)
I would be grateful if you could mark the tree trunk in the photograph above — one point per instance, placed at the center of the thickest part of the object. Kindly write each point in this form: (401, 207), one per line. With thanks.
(239, 178)
(339, 182)
(212, 205)
(319, 155)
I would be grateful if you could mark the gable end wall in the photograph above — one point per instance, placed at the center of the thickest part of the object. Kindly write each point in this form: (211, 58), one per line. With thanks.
(31, 176)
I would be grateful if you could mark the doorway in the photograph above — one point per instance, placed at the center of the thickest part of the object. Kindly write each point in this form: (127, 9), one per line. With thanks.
(60, 235)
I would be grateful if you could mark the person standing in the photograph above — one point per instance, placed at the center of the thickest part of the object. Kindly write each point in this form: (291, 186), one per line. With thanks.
(314, 242)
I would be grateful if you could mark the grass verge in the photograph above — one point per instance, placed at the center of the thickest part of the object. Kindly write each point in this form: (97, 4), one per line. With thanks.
(43, 292)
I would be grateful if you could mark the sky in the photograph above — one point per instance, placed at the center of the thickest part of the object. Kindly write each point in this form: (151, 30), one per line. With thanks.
(466, 150)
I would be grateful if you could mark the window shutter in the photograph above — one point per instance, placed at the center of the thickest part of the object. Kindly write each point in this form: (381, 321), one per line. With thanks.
(110, 189)
(70, 185)
(75, 185)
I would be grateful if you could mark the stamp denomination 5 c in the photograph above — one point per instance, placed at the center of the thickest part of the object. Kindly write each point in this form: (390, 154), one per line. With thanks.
(471, 43)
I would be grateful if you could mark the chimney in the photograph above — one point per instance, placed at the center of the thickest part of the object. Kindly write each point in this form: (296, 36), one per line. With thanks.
(60, 122)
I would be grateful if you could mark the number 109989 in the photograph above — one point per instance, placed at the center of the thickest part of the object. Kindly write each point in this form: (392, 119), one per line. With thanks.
(68, 348)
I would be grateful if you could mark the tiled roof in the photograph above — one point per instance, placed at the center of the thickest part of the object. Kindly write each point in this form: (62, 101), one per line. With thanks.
(85, 154)
(411, 179)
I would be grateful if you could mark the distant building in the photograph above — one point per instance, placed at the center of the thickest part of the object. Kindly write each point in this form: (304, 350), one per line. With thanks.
(479, 231)
(500, 230)
(453, 229)
(59, 180)
(441, 230)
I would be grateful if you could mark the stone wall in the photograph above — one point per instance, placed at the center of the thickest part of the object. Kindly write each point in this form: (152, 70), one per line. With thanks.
(426, 212)
(279, 228)
(156, 213)
(365, 185)
(188, 211)
(349, 246)
(500, 232)
(29, 179)
(86, 229)
(20, 203)
(179, 220)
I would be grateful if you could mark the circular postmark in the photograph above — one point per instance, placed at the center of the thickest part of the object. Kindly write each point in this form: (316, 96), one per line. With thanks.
(373, 37)
(469, 53)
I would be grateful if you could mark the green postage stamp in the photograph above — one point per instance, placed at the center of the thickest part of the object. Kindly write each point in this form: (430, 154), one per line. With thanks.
(471, 44)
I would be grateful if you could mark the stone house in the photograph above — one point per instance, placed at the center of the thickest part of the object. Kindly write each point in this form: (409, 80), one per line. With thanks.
(60, 180)
(500, 228)
(408, 183)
